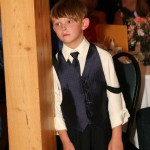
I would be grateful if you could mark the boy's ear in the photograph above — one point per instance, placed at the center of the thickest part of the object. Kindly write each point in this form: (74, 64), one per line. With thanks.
(85, 23)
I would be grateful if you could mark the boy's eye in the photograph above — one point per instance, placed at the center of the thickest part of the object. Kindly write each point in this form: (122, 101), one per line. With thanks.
(70, 21)
(57, 24)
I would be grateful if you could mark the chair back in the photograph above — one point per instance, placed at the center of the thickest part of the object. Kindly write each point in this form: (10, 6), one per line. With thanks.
(107, 32)
(129, 77)
(143, 128)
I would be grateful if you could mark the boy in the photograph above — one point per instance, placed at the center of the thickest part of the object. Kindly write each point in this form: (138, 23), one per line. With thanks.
(89, 108)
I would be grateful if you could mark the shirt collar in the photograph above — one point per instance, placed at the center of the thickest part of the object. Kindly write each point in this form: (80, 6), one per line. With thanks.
(82, 49)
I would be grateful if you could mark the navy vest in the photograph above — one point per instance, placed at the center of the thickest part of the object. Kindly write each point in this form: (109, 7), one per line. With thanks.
(84, 97)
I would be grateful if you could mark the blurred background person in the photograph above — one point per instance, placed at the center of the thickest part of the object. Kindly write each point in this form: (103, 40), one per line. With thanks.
(109, 7)
(131, 9)
(142, 8)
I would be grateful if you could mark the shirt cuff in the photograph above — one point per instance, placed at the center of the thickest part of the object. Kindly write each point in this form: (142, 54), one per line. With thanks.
(119, 118)
(59, 124)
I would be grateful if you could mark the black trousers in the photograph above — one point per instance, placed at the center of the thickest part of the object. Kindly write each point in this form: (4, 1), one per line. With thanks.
(93, 138)
(143, 128)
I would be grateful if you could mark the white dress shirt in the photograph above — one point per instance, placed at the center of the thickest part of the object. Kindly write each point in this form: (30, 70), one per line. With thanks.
(116, 105)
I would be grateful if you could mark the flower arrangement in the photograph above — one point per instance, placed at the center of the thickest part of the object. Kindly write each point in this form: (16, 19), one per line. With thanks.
(139, 31)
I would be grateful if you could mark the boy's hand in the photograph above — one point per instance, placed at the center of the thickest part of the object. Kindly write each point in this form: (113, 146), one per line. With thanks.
(115, 144)
(116, 140)
(68, 146)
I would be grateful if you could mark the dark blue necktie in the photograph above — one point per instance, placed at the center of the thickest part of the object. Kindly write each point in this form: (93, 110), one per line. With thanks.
(76, 61)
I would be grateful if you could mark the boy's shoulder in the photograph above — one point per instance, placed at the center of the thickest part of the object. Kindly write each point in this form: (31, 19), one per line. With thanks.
(103, 52)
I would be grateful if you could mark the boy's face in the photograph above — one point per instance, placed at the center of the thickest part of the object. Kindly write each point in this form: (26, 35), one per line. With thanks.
(69, 31)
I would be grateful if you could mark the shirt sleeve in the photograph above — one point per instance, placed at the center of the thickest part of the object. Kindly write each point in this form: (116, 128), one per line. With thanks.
(116, 105)
(59, 120)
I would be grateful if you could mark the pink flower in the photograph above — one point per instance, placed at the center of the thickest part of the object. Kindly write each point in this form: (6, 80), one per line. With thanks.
(139, 20)
(140, 32)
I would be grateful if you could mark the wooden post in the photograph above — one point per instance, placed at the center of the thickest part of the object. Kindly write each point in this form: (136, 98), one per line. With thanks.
(28, 74)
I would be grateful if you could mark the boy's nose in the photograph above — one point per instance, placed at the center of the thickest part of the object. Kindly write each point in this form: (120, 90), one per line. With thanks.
(64, 27)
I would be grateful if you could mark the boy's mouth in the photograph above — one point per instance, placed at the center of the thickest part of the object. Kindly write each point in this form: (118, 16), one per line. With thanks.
(64, 35)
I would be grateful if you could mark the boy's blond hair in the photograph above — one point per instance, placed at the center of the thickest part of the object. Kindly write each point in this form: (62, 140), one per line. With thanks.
(69, 9)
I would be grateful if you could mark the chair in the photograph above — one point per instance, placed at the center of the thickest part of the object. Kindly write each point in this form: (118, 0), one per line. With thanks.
(107, 32)
(129, 77)
(143, 128)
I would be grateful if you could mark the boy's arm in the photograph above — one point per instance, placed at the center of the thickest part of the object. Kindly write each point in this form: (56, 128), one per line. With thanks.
(116, 139)
(67, 144)
(59, 121)
(116, 103)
